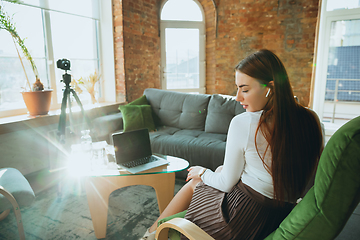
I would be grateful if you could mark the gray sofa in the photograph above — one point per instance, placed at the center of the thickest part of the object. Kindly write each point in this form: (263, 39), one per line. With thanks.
(190, 126)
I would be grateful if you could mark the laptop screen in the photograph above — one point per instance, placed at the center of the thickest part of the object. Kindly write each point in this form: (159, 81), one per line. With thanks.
(132, 145)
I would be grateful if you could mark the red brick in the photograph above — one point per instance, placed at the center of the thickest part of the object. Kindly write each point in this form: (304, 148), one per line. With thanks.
(292, 41)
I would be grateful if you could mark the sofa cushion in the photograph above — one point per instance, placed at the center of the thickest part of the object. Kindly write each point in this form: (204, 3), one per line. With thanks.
(180, 110)
(221, 109)
(104, 126)
(137, 117)
(197, 147)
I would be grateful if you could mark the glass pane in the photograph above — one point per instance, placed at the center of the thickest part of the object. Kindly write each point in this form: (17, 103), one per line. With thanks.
(343, 4)
(79, 7)
(12, 80)
(28, 22)
(182, 58)
(330, 90)
(342, 94)
(185, 10)
(74, 38)
(32, 2)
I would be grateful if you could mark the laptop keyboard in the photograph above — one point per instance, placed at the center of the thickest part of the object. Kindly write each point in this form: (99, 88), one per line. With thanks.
(140, 161)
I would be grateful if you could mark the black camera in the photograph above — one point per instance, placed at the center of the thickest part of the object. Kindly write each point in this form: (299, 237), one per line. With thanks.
(63, 64)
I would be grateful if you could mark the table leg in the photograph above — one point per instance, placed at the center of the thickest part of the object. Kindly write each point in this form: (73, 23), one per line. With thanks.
(98, 201)
(98, 190)
(164, 186)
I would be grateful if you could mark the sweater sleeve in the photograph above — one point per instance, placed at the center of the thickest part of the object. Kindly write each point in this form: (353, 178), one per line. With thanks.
(234, 161)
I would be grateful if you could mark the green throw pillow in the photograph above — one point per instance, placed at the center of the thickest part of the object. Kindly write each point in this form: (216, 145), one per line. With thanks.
(137, 117)
(140, 101)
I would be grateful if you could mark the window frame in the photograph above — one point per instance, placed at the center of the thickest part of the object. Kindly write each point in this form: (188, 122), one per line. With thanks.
(326, 18)
(200, 25)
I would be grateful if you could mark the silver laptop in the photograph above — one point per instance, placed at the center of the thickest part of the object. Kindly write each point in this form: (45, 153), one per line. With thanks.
(133, 151)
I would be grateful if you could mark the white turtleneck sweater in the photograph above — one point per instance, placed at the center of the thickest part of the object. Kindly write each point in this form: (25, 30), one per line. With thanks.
(241, 158)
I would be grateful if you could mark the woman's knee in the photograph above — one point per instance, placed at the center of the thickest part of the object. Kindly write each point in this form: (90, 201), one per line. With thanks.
(193, 183)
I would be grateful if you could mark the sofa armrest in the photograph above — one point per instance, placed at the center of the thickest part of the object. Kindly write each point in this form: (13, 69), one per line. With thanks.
(185, 227)
(104, 126)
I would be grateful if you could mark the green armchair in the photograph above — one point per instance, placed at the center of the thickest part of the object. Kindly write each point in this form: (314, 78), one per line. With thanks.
(326, 207)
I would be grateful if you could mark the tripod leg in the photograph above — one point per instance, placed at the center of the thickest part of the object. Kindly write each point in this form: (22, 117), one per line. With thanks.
(81, 107)
(71, 120)
(62, 120)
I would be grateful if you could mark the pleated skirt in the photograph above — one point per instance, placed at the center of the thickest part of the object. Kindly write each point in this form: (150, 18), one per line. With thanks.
(242, 214)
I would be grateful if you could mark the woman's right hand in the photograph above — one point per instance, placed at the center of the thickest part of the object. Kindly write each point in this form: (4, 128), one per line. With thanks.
(195, 172)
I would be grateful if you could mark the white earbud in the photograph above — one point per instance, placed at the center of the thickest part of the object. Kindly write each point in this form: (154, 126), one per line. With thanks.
(267, 94)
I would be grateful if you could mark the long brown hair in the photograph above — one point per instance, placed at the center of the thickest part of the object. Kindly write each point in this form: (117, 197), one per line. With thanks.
(293, 132)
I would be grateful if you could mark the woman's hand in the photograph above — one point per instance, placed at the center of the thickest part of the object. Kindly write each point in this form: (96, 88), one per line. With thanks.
(194, 172)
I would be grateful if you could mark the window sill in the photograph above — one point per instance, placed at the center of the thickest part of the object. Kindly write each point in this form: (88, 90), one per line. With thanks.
(331, 128)
(25, 121)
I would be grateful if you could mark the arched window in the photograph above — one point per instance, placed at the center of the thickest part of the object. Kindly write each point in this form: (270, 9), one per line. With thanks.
(182, 46)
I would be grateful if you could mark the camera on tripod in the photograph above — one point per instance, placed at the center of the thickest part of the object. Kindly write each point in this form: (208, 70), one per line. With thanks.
(63, 64)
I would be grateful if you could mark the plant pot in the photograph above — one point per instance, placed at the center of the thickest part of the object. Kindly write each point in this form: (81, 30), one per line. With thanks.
(37, 102)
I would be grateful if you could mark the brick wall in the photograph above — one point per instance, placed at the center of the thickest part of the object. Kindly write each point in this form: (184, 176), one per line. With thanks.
(286, 27)
(141, 44)
(119, 51)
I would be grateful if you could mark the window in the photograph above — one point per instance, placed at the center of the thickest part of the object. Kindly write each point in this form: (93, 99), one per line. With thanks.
(78, 30)
(183, 46)
(332, 5)
(337, 79)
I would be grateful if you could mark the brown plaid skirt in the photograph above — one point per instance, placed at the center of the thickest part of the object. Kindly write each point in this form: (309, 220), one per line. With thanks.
(240, 214)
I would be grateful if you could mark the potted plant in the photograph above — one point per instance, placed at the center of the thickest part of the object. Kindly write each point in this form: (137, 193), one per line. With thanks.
(37, 99)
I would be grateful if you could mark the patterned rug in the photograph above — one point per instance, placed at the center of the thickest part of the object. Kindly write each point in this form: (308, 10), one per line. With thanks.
(66, 216)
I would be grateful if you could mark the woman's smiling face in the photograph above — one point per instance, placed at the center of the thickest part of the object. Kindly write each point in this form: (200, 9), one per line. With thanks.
(250, 93)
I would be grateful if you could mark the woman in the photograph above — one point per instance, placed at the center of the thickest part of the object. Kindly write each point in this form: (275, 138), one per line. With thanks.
(271, 154)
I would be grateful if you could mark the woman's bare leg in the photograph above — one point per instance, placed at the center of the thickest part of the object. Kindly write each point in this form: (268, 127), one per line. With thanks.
(179, 203)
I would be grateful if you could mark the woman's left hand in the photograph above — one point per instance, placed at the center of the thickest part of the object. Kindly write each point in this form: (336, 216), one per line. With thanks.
(194, 172)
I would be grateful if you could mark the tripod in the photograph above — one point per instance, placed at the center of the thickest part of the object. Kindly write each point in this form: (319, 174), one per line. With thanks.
(66, 98)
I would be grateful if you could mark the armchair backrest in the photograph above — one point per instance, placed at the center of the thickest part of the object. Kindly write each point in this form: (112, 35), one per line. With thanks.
(327, 206)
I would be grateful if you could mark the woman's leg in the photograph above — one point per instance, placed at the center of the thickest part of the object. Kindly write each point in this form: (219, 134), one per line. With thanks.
(179, 203)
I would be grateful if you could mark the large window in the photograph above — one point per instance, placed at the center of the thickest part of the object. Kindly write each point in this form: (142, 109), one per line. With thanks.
(183, 46)
(337, 80)
(76, 30)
